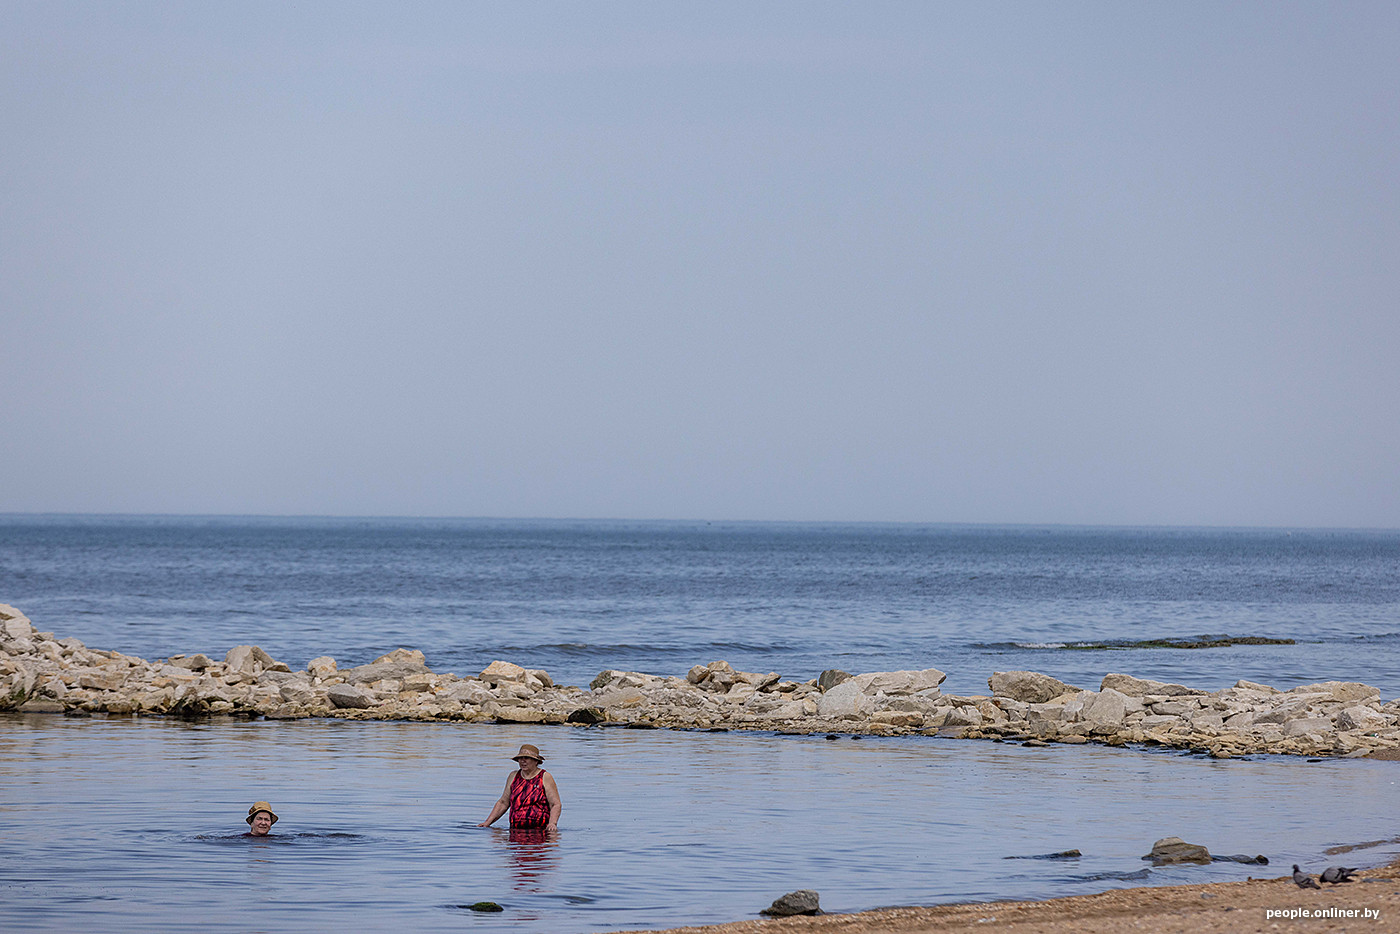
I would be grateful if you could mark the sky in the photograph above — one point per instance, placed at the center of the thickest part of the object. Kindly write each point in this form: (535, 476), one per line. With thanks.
(1060, 262)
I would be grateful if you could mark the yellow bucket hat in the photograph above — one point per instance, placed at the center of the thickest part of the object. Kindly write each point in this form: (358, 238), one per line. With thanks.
(260, 806)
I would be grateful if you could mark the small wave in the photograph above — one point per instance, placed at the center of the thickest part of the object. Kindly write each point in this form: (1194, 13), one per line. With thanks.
(585, 648)
(1198, 642)
(589, 649)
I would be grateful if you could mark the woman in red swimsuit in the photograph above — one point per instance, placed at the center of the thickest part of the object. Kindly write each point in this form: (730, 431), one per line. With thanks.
(530, 795)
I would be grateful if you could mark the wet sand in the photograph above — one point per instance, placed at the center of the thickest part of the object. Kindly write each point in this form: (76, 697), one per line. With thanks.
(1224, 907)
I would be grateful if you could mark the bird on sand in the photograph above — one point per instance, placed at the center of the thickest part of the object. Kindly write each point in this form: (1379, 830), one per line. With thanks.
(1336, 875)
(1303, 880)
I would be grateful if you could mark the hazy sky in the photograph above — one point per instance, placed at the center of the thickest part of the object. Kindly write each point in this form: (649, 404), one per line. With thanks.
(1061, 262)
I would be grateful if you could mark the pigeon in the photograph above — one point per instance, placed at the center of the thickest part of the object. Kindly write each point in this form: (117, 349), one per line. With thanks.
(1303, 880)
(1336, 875)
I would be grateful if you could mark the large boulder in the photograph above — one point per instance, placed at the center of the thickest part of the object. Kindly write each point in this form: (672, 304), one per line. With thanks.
(403, 656)
(14, 624)
(845, 701)
(345, 695)
(1137, 687)
(1346, 692)
(1175, 850)
(1029, 686)
(322, 666)
(801, 902)
(102, 679)
(1107, 708)
(900, 682)
(1305, 725)
(626, 698)
(965, 715)
(467, 692)
(296, 692)
(1361, 718)
(381, 671)
(498, 671)
(251, 660)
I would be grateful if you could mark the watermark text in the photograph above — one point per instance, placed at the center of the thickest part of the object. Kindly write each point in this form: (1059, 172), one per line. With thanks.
(1370, 914)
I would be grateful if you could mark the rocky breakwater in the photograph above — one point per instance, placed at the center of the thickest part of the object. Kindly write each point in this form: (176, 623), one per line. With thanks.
(41, 673)
(1332, 718)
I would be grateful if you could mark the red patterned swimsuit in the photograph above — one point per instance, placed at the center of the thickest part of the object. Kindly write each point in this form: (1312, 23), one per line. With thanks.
(529, 806)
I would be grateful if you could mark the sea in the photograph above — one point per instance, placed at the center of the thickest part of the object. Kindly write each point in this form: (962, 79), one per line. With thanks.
(135, 824)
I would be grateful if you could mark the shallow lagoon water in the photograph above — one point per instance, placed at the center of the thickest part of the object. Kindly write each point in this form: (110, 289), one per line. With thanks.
(134, 824)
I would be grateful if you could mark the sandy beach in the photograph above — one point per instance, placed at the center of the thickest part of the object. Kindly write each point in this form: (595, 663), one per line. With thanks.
(1266, 904)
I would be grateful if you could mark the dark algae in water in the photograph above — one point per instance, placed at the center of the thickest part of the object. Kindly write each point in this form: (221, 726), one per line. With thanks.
(1204, 642)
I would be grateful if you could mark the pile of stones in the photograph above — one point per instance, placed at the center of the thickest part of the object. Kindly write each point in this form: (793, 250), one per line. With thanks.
(39, 673)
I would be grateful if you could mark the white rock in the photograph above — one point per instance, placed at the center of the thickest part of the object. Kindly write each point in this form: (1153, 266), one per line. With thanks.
(322, 666)
(916, 703)
(624, 698)
(297, 693)
(1036, 713)
(1029, 686)
(1175, 708)
(467, 692)
(846, 701)
(248, 659)
(963, 716)
(345, 695)
(402, 656)
(1108, 707)
(1342, 691)
(499, 671)
(1240, 721)
(899, 682)
(1361, 718)
(1305, 725)
(14, 624)
(1137, 687)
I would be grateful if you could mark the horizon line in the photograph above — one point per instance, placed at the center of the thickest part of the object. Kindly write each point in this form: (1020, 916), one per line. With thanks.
(387, 517)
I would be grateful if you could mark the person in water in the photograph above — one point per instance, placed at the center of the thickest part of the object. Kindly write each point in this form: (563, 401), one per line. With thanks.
(260, 819)
(531, 795)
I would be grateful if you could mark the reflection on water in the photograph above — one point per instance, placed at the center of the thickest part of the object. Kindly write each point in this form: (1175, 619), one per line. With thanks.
(531, 855)
(131, 825)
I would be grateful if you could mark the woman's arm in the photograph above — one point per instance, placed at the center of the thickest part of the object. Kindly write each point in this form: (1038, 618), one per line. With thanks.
(501, 806)
(551, 794)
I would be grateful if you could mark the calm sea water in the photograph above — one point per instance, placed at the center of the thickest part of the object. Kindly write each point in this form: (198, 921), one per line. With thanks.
(132, 825)
(575, 598)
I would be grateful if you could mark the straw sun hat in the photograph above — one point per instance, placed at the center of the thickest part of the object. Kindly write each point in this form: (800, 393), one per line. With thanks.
(260, 806)
(529, 752)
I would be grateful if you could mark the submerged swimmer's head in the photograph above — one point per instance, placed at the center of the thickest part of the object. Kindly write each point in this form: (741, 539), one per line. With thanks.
(260, 818)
